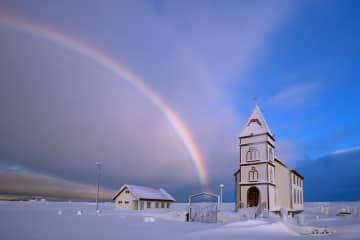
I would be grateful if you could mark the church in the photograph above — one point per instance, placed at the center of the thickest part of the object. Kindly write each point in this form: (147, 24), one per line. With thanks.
(262, 179)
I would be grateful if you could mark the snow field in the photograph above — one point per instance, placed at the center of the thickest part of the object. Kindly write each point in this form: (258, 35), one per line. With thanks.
(72, 220)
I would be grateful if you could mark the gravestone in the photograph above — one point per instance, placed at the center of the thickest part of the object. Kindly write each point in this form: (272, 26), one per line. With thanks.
(283, 214)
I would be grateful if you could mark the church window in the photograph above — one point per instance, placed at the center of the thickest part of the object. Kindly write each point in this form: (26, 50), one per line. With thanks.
(297, 196)
(271, 176)
(253, 175)
(271, 154)
(253, 154)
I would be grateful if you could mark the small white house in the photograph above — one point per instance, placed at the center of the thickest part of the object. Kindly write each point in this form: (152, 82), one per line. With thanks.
(132, 197)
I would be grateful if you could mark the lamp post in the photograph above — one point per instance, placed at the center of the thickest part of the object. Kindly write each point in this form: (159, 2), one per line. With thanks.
(98, 165)
(221, 195)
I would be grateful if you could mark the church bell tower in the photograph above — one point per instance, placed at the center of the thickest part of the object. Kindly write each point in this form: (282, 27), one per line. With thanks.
(254, 181)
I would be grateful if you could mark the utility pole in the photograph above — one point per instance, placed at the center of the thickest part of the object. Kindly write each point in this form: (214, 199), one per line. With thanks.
(221, 195)
(98, 165)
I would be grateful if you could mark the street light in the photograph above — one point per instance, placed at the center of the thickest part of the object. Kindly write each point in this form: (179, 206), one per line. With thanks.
(98, 165)
(221, 195)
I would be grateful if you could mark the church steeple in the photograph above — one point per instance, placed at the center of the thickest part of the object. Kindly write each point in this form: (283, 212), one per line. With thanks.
(256, 124)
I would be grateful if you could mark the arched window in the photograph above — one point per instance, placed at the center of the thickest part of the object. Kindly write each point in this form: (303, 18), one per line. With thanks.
(253, 175)
(253, 154)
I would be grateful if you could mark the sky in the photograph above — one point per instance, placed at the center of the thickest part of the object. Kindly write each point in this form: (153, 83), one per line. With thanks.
(202, 62)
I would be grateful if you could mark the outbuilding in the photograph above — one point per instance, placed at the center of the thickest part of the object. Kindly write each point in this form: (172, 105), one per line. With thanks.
(132, 197)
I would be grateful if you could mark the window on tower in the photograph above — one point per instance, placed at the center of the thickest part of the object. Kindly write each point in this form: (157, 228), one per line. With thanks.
(253, 154)
(271, 154)
(253, 175)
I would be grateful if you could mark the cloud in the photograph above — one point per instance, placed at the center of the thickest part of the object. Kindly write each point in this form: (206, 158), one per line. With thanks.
(346, 150)
(34, 184)
(291, 153)
(64, 113)
(297, 95)
(333, 177)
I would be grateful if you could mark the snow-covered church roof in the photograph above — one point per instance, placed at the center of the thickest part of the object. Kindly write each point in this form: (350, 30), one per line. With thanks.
(256, 124)
(141, 192)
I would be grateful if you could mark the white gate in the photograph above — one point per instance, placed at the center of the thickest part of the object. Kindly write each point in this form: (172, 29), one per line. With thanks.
(203, 211)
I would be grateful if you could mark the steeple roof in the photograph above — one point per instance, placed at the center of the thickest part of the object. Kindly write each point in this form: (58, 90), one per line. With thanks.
(256, 124)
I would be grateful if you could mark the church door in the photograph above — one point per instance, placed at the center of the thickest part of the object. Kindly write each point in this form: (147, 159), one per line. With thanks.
(253, 197)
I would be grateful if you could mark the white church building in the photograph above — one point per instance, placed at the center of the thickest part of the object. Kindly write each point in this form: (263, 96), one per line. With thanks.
(262, 178)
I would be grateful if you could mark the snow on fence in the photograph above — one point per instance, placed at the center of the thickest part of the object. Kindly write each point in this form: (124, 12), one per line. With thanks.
(206, 212)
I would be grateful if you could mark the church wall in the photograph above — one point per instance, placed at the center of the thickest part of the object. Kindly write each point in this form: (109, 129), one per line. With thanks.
(257, 138)
(283, 191)
(272, 198)
(237, 190)
(254, 139)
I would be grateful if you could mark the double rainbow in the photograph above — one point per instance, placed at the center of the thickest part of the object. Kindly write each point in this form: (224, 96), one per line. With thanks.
(122, 72)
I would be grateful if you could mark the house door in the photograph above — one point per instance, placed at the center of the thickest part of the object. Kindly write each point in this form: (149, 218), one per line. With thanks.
(253, 197)
(141, 205)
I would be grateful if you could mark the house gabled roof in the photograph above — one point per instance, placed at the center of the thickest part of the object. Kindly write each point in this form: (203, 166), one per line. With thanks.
(141, 192)
(256, 124)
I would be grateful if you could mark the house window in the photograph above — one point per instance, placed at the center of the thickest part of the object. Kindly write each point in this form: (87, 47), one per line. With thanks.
(167, 205)
(157, 204)
(253, 175)
(253, 154)
(293, 178)
(148, 205)
(120, 202)
(126, 202)
(162, 204)
(127, 191)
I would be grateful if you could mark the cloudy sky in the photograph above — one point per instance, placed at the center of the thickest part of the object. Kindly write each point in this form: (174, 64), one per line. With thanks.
(61, 110)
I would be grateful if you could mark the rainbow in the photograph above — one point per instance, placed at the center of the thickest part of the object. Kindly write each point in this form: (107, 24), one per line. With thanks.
(121, 71)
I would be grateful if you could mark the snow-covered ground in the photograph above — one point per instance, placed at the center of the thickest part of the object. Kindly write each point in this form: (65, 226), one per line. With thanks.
(67, 220)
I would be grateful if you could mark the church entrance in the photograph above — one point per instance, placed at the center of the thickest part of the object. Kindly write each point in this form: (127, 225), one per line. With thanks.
(253, 197)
